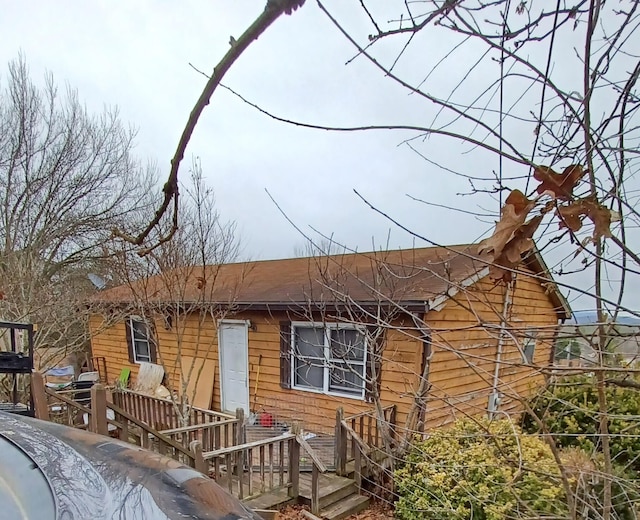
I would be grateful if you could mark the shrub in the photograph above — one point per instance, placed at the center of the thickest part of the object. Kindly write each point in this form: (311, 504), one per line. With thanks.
(569, 409)
(481, 470)
(587, 478)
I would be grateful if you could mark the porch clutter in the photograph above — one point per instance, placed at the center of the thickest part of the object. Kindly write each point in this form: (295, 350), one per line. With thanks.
(149, 378)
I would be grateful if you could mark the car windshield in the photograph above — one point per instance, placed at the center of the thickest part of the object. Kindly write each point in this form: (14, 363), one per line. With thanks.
(24, 491)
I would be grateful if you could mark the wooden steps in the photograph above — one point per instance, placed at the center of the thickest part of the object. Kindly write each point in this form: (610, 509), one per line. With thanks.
(346, 507)
(338, 499)
(271, 500)
(332, 489)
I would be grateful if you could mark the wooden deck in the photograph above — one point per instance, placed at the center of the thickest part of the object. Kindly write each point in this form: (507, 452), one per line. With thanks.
(266, 472)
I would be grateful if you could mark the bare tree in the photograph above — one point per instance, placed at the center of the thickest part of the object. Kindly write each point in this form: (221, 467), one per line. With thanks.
(175, 288)
(562, 144)
(271, 12)
(66, 179)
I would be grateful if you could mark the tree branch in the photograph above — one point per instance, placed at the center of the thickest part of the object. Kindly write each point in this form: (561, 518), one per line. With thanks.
(272, 11)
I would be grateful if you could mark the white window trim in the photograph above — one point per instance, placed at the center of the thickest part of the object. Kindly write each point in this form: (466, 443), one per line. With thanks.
(327, 359)
(133, 339)
(530, 337)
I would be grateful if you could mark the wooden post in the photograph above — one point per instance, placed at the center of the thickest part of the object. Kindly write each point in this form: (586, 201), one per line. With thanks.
(240, 458)
(294, 462)
(357, 467)
(315, 490)
(98, 419)
(198, 462)
(240, 432)
(341, 444)
(40, 406)
(124, 432)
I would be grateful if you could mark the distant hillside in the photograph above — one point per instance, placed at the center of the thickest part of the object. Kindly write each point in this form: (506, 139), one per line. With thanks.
(590, 317)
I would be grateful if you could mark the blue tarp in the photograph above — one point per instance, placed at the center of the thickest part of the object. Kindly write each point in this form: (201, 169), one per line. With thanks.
(67, 371)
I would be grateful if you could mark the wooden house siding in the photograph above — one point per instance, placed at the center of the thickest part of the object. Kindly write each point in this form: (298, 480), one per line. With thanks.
(316, 411)
(465, 348)
(464, 337)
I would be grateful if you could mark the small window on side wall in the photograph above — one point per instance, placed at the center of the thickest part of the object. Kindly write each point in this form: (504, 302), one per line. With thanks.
(140, 341)
(529, 346)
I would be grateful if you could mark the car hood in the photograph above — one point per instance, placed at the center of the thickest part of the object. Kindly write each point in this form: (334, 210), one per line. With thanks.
(92, 476)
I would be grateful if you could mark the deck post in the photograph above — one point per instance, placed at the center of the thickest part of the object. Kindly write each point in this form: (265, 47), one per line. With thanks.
(357, 467)
(98, 419)
(40, 407)
(341, 444)
(315, 489)
(240, 432)
(294, 462)
(198, 461)
(240, 457)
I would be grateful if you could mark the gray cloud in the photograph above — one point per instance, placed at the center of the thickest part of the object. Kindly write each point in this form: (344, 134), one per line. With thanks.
(136, 55)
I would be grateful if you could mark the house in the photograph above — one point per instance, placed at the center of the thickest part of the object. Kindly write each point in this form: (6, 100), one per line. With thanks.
(576, 340)
(295, 339)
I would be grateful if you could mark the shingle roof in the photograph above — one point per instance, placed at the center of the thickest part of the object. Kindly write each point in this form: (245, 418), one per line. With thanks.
(409, 276)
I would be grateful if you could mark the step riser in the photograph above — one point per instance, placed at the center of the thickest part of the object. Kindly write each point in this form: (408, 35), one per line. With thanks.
(348, 512)
(332, 498)
(338, 495)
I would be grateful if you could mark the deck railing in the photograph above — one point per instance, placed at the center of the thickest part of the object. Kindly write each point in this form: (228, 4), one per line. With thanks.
(261, 466)
(106, 418)
(132, 430)
(245, 469)
(163, 414)
(257, 467)
(361, 434)
(211, 435)
(62, 408)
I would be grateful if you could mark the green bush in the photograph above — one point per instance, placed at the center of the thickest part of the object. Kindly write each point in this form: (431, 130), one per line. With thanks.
(481, 470)
(569, 409)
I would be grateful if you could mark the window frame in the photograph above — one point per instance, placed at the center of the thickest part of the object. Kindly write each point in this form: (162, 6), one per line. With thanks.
(148, 339)
(530, 341)
(327, 359)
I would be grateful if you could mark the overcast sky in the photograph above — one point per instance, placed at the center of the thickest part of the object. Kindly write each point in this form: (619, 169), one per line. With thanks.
(136, 55)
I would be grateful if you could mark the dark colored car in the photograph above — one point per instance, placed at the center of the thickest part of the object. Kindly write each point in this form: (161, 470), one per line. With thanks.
(49, 471)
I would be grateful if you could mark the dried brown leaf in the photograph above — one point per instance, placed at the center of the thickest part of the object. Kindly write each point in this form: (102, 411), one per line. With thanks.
(512, 218)
(559, 185)
(572, 216)
(512, 252)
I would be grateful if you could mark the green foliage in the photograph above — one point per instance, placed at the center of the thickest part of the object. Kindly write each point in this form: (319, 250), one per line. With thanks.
(569, 408)
(481, 470)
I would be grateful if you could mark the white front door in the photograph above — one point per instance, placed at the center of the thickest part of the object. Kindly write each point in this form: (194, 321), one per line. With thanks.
(234, 365)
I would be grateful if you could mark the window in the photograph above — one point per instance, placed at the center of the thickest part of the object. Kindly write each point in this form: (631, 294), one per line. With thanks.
(140, 342)
(328, 358)
(529, 346)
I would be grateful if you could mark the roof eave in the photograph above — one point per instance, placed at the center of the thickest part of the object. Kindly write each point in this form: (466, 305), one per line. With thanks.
(535, 262)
